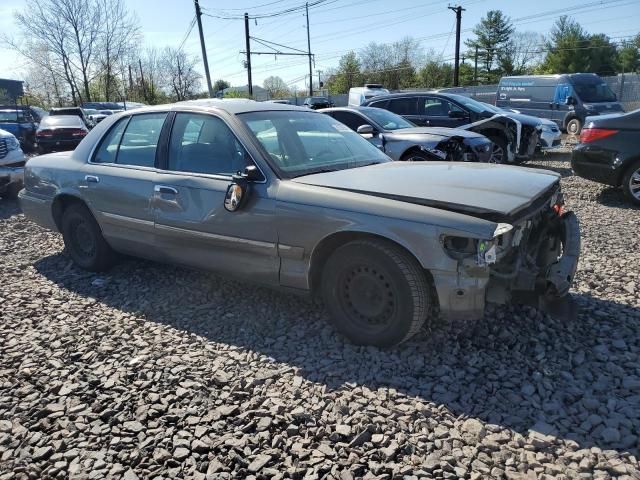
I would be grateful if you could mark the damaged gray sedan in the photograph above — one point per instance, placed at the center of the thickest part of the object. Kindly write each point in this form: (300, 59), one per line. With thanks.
(292, 199)
(402, 140)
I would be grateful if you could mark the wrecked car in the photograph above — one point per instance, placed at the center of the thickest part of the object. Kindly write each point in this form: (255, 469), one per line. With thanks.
(513, 140)
(288, 197)
(402, 140)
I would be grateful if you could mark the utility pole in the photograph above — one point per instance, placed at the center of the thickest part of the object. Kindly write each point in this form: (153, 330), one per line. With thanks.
(309, 48)
(456, 71)
(204, 50)
(247, 39)
(475, 68)
(319, 80)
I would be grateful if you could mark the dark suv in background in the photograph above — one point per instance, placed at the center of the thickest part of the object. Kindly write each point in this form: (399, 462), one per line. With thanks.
(316, 103)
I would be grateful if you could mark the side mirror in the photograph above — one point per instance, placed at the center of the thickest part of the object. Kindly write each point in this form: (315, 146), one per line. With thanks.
(457, 114)
(365, 130)
(238, 190)
(570, 100)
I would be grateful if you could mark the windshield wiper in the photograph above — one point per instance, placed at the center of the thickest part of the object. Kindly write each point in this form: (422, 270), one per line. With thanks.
(323, 170)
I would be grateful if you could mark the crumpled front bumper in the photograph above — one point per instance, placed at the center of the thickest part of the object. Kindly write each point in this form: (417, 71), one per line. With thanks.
(560, 275)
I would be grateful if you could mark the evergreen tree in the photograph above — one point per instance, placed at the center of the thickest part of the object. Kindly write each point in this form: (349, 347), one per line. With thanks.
(492, 36)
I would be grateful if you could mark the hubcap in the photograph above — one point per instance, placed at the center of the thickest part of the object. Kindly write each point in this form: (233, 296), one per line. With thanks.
(634, 184)
(83, 239)
(367, 296)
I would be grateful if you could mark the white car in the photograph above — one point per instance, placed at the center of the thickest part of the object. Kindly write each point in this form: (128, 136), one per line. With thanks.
(12, 162)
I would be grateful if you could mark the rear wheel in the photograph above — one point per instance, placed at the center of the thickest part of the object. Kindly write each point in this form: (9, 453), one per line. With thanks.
(574, 126)
(631, 183)
(376, 292)
(11, 191)
(84, 241)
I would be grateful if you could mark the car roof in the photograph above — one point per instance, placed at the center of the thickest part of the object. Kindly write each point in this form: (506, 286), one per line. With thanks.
(233, 106)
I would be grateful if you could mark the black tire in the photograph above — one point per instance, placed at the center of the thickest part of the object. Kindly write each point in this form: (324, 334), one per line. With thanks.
(499, 150)
(631, 183)
(417, 156)
(376, 292)
(84, 241)
(574, 126)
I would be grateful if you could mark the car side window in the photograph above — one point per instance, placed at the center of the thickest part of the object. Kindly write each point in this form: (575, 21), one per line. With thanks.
(436, 107)
(351, 120)
(380, 104)
(108, 149)
(205, 144)
(140, 140)
(404, 106)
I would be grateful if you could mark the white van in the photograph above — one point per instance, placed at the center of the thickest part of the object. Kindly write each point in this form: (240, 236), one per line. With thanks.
(358, 95)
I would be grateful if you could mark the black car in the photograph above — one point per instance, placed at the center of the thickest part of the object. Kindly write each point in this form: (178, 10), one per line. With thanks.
(316, 103)
(402, 140)
(609, 152)
(514, 136)
(60, 132)
(77, 111)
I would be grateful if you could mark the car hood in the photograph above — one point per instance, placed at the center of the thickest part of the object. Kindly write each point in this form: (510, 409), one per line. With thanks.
(522, 118)
(492, 192)
(603, 107)
(439, 131)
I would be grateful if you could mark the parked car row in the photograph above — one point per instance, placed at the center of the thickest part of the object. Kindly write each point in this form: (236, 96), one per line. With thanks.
(293, 198)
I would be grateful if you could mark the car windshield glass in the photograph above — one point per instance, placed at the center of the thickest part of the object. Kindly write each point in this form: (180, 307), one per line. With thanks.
(594, 92)
(388, 120)
(470, 103)
(301, 143)
(9, 116)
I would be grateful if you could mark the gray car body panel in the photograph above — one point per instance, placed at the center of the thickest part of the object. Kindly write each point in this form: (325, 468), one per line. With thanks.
(274, 238)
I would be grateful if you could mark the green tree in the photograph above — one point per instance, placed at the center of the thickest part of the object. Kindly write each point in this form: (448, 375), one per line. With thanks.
(567, 48)
(220, 85)
(435, 74)
(347, 75)
(629, 56)
(603, 55)
(492, 35)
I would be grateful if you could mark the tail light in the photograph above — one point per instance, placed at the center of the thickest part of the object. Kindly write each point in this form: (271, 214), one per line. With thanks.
(592, 134)
(44, 133)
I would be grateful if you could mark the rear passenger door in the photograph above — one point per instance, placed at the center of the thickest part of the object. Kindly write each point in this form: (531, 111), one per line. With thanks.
(408, 107)
(119, 179)
(191, 224)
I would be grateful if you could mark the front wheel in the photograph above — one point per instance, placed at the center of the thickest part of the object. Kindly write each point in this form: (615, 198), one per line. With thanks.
(574, 126)
(417, 156)
(376, 292)
(84, 241)
(499, 152)
(631, 183)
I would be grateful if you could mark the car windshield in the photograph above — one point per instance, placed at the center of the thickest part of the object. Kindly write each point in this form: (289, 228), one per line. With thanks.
(301, 143)
(594, 92)
(319, 99)
(388, 120)
(471, 104)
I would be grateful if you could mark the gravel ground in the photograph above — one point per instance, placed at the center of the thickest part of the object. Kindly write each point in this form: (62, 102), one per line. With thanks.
(152, 371)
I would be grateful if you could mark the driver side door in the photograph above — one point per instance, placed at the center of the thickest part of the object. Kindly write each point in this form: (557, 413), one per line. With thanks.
(191, 224)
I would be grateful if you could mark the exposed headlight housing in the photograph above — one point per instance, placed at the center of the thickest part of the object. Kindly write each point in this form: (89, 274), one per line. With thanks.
(12, 143)
(485, 251)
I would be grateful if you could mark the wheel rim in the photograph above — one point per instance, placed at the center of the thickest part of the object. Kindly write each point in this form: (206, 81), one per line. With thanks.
(83, 240)
(368, 297)
(634, 184)
(497, 154)
(573, 128)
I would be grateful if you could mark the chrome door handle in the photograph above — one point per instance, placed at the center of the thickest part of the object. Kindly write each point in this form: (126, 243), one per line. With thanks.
(91, 179)
(163, 189)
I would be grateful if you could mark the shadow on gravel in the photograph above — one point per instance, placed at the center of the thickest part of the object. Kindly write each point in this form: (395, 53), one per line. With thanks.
(8, 208)
(613, 197)
(574, 380)
(543, 161)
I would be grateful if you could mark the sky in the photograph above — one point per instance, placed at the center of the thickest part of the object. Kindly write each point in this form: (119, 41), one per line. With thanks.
(336, 27)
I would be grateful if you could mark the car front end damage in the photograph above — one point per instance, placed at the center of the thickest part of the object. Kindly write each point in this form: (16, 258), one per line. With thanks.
(460, 149)
(531, 260)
